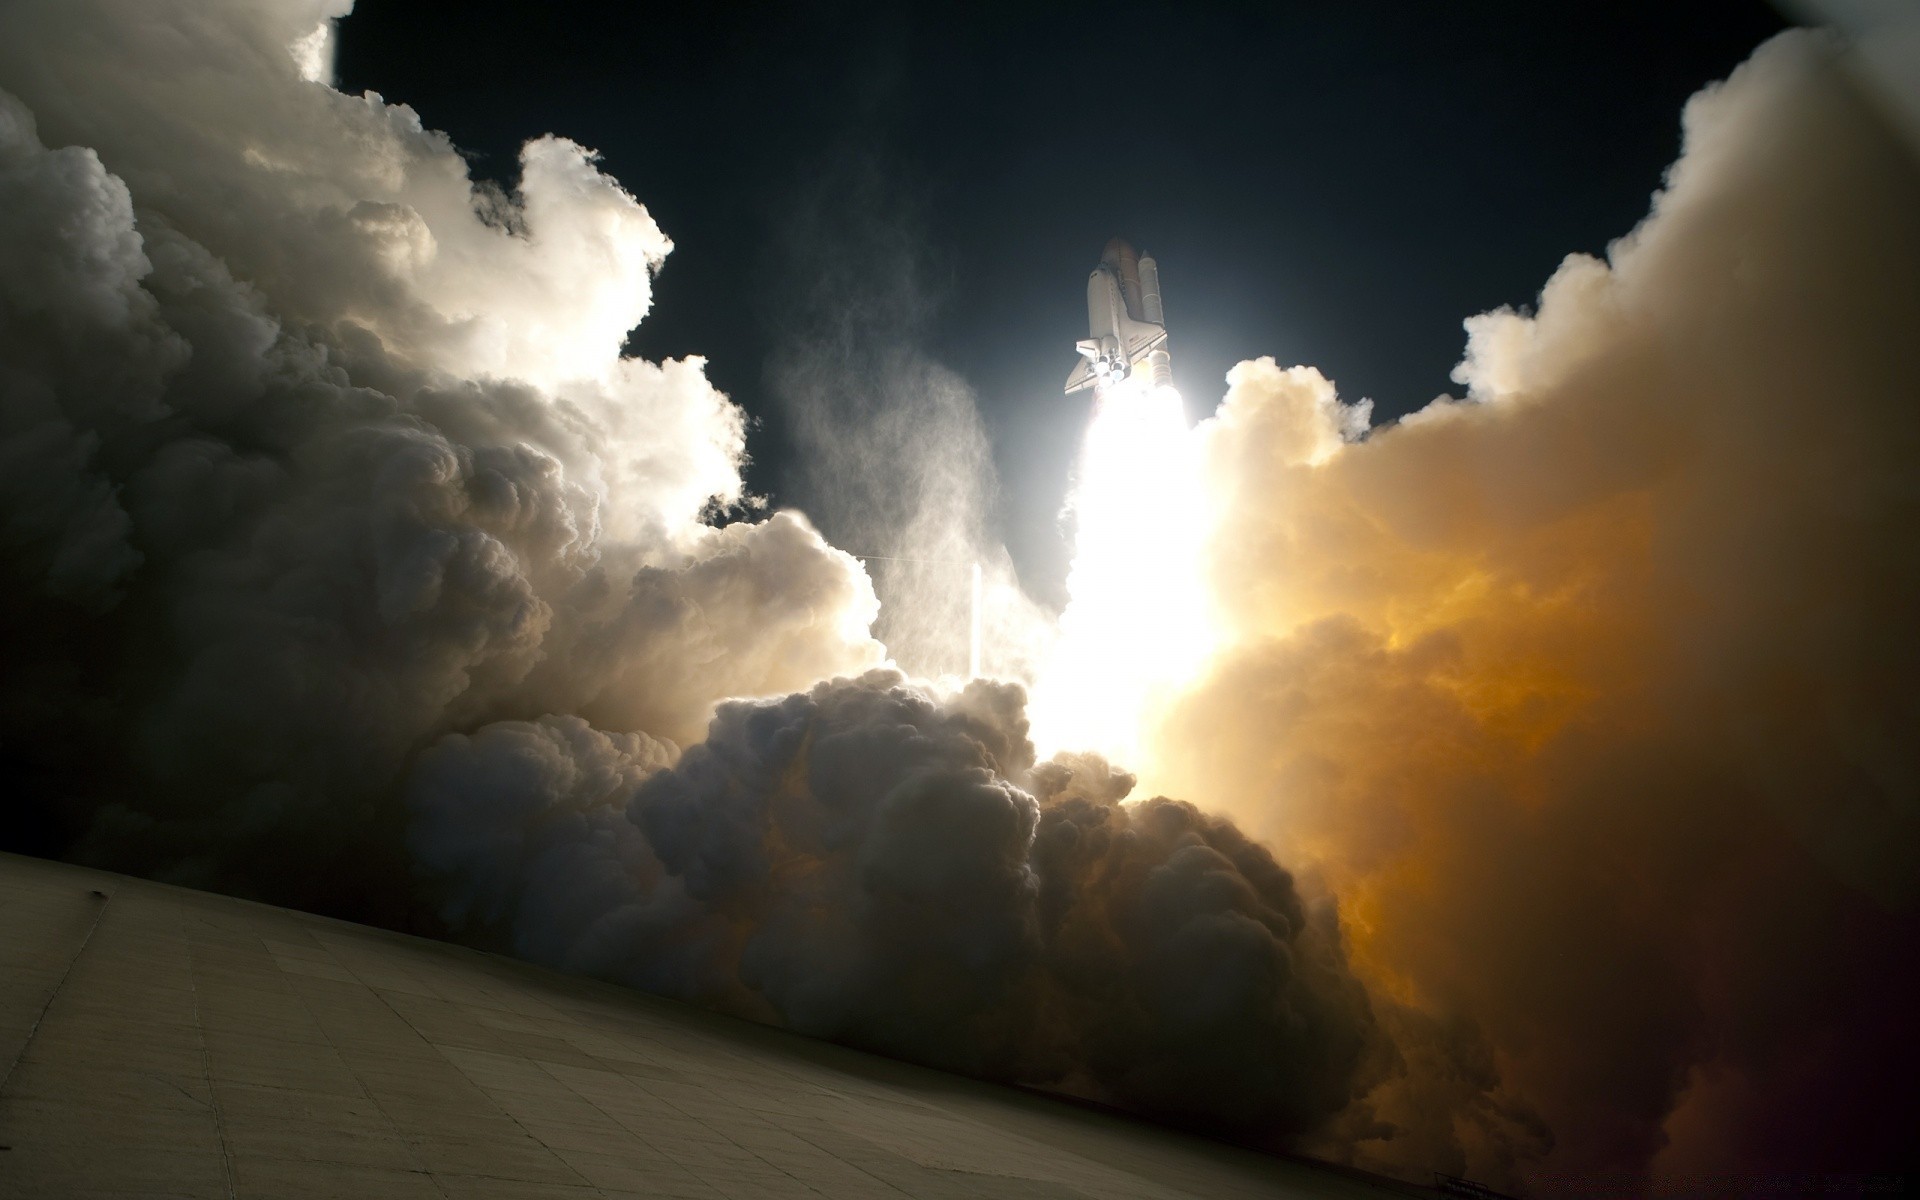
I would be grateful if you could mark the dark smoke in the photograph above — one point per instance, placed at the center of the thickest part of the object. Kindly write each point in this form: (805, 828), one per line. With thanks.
(878, 864)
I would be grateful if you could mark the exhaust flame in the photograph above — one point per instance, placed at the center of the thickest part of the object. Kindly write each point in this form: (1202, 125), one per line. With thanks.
(1138, 624)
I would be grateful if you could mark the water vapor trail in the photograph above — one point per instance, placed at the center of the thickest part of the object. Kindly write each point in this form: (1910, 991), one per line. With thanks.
(893, 460)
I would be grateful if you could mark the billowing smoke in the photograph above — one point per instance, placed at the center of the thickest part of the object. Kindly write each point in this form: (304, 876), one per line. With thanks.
(315, 451)
(368, 577)
(1592, 694)
(350, 566)
(876, 863)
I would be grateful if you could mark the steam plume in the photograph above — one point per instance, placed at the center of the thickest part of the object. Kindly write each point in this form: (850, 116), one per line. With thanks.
(316, 451)
(1590, 695)
(893, 459)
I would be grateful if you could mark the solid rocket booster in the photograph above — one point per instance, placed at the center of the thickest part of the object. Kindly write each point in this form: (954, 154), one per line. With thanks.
(1126, 325)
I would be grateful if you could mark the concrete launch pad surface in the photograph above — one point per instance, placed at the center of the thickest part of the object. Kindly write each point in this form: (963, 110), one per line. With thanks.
(163, 1042)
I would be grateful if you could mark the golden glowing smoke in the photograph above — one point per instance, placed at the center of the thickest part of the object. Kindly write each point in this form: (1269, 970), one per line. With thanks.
(1590, 694)
(1138, 626)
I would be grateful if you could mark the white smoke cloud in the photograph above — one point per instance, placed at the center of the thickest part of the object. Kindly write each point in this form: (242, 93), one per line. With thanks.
(346, 210)
(339, 454)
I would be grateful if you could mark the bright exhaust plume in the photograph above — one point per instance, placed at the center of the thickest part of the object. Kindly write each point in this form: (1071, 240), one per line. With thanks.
(1138, 625)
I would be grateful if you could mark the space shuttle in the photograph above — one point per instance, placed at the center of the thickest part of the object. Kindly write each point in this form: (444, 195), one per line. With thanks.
(1125, 325)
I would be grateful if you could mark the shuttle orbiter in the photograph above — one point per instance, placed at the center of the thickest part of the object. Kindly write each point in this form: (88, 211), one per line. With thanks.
(1125, 324)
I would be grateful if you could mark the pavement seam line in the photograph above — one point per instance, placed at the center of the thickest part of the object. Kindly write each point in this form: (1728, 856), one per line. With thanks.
(33, 1031)
(684, 1115)
(440, 1053)
(206, 1066)
(400, 1135)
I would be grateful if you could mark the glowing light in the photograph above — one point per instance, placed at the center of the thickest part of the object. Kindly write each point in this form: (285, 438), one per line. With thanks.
(1138, 625)
(313, 54)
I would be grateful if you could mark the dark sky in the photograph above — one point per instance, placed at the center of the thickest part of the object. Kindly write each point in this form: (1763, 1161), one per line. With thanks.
(1337, 184)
